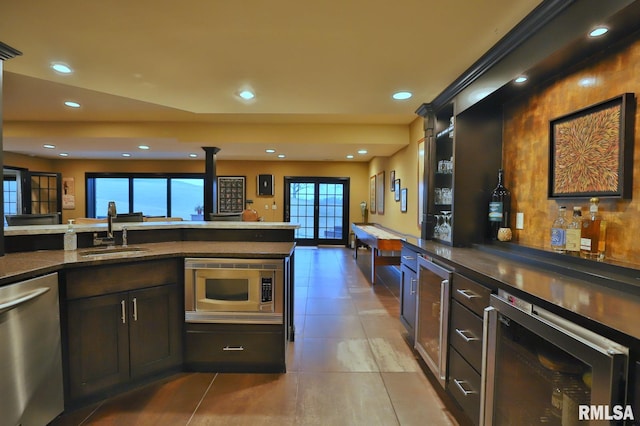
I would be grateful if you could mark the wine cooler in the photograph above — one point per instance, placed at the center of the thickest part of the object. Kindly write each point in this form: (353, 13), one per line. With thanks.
(541, 368)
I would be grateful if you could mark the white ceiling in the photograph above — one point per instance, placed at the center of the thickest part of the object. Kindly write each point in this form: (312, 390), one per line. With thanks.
(157, 70)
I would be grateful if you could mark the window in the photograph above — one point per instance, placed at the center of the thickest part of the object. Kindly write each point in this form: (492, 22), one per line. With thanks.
(153, 194)
(10, 189)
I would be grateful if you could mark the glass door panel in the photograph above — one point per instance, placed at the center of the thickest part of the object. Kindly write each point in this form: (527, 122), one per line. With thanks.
(320, 206)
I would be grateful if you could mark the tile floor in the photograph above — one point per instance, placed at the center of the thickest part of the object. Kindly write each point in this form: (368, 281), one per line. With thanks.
(348, 366)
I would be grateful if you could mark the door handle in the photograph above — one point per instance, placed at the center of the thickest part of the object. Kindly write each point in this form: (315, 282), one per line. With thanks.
(466, 338)
(135, 309)
(468, 294)
(412, 288)
(123, 312)
(460, 384)
(24, 298)
(233, 348)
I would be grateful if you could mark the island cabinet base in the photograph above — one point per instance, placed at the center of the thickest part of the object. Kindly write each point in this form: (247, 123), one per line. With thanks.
(235, 348)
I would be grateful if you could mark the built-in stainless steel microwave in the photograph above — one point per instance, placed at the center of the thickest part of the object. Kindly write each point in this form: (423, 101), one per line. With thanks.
(234, 290)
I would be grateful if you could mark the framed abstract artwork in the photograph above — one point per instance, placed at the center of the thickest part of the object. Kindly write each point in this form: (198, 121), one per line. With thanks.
(396, 185)
(591, 150)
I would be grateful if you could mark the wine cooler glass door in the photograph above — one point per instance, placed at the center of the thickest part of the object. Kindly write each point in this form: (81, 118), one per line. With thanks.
(540, 368)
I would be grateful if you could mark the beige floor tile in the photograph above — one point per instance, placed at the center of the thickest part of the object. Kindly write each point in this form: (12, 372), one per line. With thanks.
(393, 355)
(249, 399)
(337, 355)
(333, 326)
(351, 399)
(415, 401)
(330, 306)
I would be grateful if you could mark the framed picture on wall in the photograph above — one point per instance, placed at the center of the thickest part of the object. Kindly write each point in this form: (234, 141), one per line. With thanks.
(403, 200)
(380, 193)
(591, 151)
(396, 185)
(372, 194)
(231, 194)
(392, 180)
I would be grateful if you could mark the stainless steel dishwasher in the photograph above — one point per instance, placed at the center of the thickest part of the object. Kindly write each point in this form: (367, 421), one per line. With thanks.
(30, 352)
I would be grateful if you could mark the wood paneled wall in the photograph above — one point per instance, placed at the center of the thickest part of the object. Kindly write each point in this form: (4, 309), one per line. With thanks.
(526, 151)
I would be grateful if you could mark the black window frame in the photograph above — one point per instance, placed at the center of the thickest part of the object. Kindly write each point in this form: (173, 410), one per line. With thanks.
(90, 190)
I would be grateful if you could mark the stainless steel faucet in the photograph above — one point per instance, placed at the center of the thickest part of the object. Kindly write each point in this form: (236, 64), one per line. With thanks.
(111, 213)
(109, 240)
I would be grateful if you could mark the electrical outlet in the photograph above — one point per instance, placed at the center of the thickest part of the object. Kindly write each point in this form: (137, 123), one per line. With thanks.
(520, 220)
(266, 206)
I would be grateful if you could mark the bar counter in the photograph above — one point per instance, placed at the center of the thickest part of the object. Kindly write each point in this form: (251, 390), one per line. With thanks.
(578, 289)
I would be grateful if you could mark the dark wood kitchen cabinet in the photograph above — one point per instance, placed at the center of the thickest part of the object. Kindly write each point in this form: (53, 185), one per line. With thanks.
(408, 291)
(123, 325)
(468, 300)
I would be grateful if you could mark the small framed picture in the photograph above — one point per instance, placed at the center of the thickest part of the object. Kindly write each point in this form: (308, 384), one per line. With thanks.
(396, 189)
(393, 180)
(403, 200)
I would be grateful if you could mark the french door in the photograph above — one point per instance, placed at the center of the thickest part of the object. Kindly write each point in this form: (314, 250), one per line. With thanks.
(321, 206)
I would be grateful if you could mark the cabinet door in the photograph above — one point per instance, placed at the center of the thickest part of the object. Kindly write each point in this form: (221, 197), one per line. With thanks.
(409, 282)
(154, 329)
(98, 344)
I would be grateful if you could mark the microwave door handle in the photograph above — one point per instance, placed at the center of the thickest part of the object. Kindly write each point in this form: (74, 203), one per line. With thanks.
(487, 385)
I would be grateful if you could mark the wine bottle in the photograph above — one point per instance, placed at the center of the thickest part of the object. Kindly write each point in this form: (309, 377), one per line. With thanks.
(593, 233)
(499, 207)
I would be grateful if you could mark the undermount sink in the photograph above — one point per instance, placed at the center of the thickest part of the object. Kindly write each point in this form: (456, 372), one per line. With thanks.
(112, 251)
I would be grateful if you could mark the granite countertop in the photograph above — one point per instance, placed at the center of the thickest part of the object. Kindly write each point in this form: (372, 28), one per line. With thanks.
(146, 226)
(613, 306)
(19, 266)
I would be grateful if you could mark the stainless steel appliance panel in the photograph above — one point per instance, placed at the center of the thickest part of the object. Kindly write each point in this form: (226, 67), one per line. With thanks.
(30, 353)
(539, 366)
(432, 321)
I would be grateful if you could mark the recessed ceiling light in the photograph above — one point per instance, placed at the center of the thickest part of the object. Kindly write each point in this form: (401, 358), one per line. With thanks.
(49, 146)
(61, 68)
(521, 79)
(72, 104)
(63, 154)
(192, 155)
(269, 151)
(126, 154)
(401, 96)
(281, 156)
(144, 147)
(350, 156)
(598, 31)
(247, 95)
(362, 151)
(587, 82)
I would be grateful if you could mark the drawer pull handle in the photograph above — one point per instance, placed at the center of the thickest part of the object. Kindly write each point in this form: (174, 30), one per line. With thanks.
(460, 384)
(408, 258)
(233, 348)
(466, 338)
(468, 294)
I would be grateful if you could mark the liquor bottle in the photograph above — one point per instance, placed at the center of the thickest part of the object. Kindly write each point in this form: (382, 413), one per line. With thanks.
(572, 234)
(499, 207)
(592, 234)
(558, 231)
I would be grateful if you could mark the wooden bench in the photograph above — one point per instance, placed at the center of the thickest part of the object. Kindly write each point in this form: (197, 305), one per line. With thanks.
(381, 241)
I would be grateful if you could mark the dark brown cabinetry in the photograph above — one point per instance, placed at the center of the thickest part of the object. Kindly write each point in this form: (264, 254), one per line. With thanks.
(408, 291)
(468, 300)
(123, 328)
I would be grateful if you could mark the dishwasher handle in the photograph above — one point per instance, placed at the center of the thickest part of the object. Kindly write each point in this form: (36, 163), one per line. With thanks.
(24, 298)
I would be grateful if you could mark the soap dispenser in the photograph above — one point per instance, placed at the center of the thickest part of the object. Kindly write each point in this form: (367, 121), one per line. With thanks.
(70, 238)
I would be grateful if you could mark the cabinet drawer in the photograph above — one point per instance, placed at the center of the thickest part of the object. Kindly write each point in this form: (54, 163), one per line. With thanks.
(247, 352)
(471, 294)
(466, 334)
(464, 385)
(409, 257)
